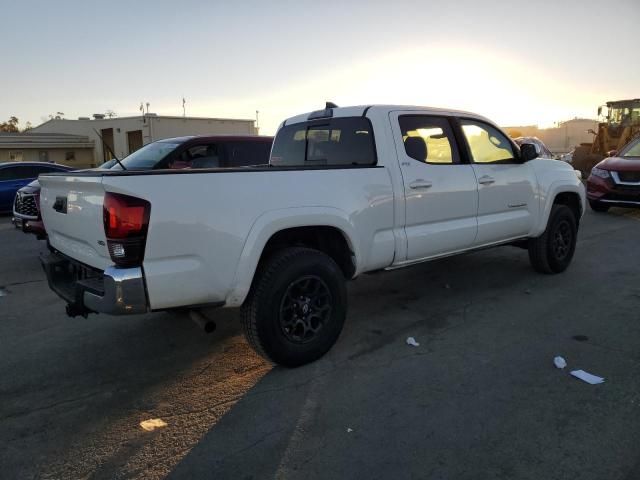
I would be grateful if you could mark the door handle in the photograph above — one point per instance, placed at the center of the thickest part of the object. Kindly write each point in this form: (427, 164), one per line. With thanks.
(420, 184)
(486, 180)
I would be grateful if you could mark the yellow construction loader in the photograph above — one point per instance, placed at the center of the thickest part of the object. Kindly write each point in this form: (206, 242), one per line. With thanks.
(619, 123)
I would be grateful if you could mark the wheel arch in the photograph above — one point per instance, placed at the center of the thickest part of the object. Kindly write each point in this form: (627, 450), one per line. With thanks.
(326, 229)
(561, 193)
(571, 200)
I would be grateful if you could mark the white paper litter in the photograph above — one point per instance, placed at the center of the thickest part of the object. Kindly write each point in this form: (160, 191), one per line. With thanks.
(587, 377)
(559, 362)
(152, 424)
(412, 341)
(349, 430)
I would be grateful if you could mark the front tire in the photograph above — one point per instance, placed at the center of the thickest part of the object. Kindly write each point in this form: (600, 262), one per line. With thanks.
(553, 251)
(296, 307)
(598, 207)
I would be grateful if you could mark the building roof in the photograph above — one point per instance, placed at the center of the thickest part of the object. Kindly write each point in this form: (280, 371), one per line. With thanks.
(146, 116)
(25, 140)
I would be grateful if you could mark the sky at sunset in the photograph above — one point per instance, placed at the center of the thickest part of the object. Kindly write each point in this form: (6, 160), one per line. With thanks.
(516, 62)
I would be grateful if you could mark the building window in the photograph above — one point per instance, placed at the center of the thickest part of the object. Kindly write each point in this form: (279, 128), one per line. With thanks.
(43, 156)
(15, 156)
(70, 156)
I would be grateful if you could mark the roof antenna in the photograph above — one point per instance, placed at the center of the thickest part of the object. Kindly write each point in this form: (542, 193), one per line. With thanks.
(329, 105)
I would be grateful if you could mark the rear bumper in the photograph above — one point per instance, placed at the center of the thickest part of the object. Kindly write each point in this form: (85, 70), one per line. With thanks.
(116, 291)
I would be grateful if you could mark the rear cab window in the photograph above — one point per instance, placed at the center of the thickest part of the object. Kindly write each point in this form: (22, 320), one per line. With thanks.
(334, 142)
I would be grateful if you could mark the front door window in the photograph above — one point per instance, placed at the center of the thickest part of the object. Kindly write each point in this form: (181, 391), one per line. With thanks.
(486, 143)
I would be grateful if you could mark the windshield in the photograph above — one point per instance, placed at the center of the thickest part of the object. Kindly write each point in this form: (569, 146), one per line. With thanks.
(148, 156)
(632, 149)
(624, 115)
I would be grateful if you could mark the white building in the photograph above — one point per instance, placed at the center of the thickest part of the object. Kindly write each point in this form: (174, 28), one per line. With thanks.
(126, 134)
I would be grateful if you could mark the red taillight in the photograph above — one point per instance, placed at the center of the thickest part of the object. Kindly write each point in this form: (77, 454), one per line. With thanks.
(126, 221)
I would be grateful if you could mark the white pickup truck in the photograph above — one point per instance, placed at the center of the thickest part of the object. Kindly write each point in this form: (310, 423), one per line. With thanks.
(348, 191)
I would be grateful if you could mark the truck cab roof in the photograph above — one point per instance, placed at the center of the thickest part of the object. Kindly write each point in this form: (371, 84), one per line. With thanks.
(365, 110)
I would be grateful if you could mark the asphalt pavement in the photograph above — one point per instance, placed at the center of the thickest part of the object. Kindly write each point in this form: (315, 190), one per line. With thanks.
(479, 398)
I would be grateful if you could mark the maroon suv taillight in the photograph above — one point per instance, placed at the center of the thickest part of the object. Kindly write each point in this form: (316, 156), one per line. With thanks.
(126, 221)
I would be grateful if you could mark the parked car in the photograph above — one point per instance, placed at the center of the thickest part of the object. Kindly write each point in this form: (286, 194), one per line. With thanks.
(543, 151)
(26, 210)
(199, 152)
(15, 175)
(347, 191)
(615, 181)
(26, 207)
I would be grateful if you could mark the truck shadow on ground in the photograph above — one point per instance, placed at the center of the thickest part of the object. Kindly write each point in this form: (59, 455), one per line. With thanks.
(274, 419)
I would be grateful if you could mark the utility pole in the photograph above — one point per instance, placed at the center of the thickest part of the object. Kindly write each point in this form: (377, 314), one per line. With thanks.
(184, 110)
(257, 120)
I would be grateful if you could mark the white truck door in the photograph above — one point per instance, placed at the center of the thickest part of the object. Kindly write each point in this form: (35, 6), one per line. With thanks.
(508, 203)
(441, 193)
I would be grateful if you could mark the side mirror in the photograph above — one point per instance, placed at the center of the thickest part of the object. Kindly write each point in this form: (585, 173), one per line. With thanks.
(612, 153)
(529, 151)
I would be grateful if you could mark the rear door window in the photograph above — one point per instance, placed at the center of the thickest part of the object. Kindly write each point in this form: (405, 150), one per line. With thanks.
(428, 139)
(205, 155)
(18, 172)
(344, 141)
(7, 174)
(244, 154)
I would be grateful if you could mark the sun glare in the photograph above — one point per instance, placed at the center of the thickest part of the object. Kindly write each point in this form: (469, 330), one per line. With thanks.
(505, 89)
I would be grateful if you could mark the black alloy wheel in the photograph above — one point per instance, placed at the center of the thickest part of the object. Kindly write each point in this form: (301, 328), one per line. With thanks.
(305, 308)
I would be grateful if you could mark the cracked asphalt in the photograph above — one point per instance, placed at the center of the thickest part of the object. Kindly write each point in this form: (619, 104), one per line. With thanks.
(478, 399)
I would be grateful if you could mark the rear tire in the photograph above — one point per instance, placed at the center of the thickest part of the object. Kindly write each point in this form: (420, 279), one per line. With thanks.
(598, 207)
(296, 308)
(552, 251)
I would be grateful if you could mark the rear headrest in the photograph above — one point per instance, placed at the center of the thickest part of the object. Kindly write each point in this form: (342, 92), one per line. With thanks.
(416, 148)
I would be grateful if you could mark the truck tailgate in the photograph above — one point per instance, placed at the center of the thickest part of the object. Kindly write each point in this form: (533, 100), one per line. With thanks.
(71, 209)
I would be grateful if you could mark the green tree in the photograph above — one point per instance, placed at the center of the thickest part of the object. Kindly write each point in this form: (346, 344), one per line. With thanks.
(10, 126)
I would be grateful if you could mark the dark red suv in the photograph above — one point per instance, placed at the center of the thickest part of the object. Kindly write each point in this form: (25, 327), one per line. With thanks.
(615, 181)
